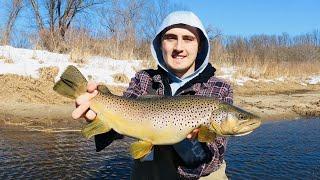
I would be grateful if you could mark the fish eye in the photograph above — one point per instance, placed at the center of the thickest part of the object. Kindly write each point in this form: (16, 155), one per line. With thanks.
(241, 116)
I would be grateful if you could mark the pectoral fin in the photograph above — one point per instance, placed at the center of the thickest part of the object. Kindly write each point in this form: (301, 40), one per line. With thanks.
(214, 127)
(103, 89)
(97, 126)
(140, 148)
(100, 124)
(205, 134)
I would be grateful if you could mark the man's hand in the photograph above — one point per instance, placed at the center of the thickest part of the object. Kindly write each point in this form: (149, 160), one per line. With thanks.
(193, 134)
(83, 104)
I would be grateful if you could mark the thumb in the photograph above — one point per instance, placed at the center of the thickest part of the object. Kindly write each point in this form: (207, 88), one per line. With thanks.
(91, 86)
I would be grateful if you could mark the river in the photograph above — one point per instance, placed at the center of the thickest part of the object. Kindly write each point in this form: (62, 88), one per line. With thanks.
(277, 150)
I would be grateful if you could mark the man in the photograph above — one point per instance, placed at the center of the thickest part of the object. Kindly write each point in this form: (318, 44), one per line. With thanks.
(181, 48)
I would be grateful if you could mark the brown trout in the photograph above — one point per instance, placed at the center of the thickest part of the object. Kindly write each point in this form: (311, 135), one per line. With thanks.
(157, 120)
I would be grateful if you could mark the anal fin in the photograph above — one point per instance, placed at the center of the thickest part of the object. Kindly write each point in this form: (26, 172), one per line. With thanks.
(140, 149)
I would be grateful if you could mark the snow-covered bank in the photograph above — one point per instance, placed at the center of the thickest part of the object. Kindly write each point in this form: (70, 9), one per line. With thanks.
(27, 62)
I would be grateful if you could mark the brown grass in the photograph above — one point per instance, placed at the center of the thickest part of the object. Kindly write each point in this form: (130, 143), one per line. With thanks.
(120, 78)
(48, 73)
(79, 56)
(6, 60)
(2, 57)
(271, 69)
(256, 57)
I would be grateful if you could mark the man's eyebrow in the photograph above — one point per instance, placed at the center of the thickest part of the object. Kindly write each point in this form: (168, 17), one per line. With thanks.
(174, 35)
(169, 35)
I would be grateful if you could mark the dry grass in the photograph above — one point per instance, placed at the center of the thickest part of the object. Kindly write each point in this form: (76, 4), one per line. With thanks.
(81, 44)
(48, 73)
(6, 60)
(2, 57)
(120, 78)
(254, 57)
(257, 70)
(79, 56)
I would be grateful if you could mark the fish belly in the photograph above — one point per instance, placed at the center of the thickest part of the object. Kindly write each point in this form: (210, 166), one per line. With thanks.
(146, 130)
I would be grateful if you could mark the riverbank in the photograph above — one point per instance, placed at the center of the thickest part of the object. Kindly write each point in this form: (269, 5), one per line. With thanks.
(33, 103)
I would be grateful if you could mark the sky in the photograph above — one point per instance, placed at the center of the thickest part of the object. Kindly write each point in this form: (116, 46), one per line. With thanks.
(250, 17)
(247, 17)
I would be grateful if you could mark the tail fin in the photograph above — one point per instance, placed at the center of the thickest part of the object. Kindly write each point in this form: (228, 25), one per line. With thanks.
(72, 83)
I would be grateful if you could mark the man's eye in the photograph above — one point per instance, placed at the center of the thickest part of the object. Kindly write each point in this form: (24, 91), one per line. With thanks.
(169, 37)
(188, 38)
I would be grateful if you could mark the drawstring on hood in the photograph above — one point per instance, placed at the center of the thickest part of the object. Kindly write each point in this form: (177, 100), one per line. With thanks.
(202, 59)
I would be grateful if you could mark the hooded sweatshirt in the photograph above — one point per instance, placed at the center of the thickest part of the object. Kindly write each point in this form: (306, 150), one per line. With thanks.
(186, 18)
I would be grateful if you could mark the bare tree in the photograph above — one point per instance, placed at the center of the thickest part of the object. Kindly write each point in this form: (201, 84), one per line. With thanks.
(14, 10)
(215, 38)
(60, 16)
(120, 20)
(213, 32)
(154, 14)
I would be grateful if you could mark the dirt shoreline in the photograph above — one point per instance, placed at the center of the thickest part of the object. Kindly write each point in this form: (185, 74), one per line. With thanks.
(33, 103)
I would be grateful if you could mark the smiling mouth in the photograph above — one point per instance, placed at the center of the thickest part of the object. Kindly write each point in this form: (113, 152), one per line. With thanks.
(178, 57)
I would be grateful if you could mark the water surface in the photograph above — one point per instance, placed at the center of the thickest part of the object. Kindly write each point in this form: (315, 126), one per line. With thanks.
(277, 150)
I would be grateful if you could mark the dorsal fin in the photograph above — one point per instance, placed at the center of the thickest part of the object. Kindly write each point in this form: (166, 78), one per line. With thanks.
(103, 89)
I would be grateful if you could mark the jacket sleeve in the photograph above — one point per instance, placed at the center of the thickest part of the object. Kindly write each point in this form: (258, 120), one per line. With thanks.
(138, 85)
(228, 97)
(133, 91)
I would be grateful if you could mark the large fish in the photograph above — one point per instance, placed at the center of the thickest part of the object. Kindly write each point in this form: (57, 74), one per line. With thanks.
(157, 120)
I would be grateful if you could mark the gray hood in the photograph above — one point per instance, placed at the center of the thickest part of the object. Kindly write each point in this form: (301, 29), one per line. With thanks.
(187, 18)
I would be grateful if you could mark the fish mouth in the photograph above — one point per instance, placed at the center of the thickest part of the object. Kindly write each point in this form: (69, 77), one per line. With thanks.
(243, 134)
(235, 128)
(246, 127)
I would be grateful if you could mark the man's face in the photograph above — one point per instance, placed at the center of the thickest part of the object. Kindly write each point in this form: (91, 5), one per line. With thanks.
(179, 47)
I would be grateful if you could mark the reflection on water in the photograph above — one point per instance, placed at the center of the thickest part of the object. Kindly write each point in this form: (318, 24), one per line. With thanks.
(58, 155)
(286, 150)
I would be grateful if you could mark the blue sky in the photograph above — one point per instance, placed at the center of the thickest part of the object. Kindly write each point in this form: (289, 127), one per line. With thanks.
(249, 17)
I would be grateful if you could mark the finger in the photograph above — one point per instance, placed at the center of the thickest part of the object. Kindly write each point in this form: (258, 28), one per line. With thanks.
(193, 134)
(80, 110)
(84, 98)
(195, 131)
(92, 86)
(90, 115)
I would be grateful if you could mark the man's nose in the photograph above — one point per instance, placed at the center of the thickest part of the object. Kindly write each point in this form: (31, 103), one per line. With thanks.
(179, 45)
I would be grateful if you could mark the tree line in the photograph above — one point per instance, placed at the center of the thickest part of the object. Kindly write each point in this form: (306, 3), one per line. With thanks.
(123, 29)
